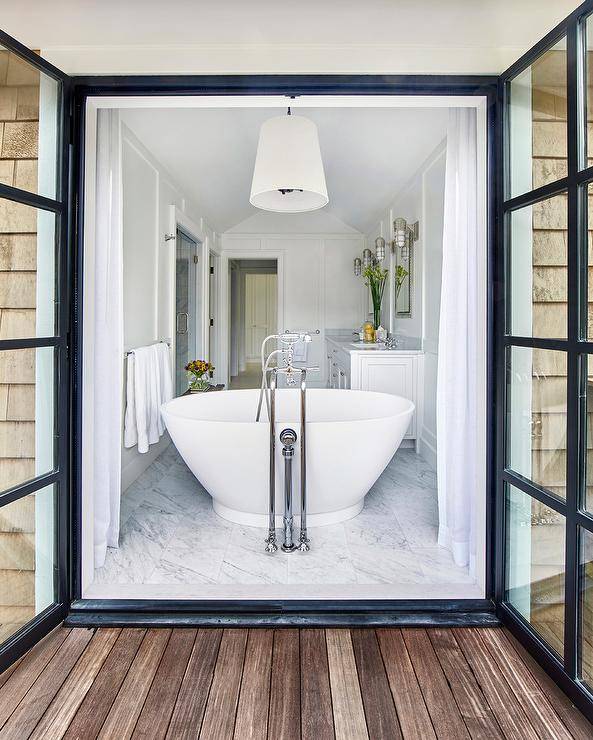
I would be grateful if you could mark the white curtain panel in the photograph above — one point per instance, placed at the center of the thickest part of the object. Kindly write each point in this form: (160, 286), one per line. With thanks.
(457, 432)
(108, 338)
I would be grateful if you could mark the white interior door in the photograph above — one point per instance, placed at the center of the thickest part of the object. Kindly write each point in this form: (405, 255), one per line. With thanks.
(260, 310)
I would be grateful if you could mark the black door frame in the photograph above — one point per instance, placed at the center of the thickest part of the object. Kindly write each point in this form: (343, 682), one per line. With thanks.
(564, 672)
(60, 477)
(260, 612)
(368, 612)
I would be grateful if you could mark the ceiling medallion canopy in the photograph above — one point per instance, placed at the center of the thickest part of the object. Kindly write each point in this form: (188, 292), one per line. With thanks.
(288, 176)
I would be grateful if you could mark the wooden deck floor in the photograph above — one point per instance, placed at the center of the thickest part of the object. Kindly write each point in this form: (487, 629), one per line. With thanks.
(283, 684)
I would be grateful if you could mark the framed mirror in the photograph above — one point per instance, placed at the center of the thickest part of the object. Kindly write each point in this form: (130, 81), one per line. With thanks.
(403, 276)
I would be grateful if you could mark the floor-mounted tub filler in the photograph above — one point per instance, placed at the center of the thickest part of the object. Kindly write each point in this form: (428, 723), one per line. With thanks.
(251, 456)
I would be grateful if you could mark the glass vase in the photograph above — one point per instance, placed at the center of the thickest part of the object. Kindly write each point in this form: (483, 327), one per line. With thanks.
(199, 384)
(376, 317)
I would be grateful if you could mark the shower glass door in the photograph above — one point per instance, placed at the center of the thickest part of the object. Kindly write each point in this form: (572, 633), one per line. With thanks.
(186, 299)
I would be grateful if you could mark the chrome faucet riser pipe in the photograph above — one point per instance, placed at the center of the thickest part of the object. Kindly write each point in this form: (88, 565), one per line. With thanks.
(271, 545)
(263, 391)
(288, 438)
(303, 538)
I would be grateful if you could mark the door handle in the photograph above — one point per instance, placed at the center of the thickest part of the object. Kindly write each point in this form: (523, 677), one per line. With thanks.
(182, 323)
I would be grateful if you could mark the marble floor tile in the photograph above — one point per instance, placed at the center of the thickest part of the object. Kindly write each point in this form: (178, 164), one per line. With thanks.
(385, 565)
(166, 573)
(171, 535)
(328, 560)
(246, 560)
(439, 567)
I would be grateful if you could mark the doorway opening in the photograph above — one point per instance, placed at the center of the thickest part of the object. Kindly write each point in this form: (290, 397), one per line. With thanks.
(253, 285)
(192, 514)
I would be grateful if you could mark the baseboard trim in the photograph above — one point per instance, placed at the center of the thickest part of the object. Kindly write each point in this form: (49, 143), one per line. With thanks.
(427, 449)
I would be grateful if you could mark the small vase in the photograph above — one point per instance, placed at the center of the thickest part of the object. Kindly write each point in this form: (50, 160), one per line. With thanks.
(376, 317)
(199, 384)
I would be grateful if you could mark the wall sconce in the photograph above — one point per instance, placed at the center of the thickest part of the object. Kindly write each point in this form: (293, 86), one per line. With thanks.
(404, 236)
(380, 248)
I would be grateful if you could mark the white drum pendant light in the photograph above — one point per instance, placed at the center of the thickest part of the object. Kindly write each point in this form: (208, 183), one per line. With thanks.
(288, 176)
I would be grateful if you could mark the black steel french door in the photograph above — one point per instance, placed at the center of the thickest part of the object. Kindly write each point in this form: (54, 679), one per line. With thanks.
(544, 523)
(34, 371)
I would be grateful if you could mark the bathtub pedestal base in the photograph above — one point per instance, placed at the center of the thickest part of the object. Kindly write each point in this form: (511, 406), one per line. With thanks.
(261, 520)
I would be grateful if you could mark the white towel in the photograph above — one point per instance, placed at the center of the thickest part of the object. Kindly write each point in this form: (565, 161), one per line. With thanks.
(165, 377)
(149, 385)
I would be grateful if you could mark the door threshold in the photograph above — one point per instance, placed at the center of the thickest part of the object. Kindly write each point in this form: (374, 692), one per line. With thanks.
(278, 613)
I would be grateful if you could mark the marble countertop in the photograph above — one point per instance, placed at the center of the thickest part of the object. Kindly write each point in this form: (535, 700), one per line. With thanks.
(407, 345)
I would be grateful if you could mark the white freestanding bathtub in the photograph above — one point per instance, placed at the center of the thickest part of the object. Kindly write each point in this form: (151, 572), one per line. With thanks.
(351, 436)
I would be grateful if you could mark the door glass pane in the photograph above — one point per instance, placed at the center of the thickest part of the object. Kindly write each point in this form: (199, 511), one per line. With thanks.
(27, 271)
(26, 414)
(587, 501)
(588, 319)
(537, 111)
(28, 126)
(536, 417)
(586, 637)
(538, 269)
(185, 308)
(588, 128)
(27, 559)
(535, 567)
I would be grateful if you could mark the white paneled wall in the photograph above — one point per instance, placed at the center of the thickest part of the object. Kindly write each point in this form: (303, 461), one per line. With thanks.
(422, 200)
(148, 192)
(316, 285)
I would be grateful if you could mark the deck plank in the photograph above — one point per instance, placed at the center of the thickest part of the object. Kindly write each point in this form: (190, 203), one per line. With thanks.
(95, 706)
(348, 709)
(316, 703)
(440, 702)
(126, 708)
(503, 702)
(534, 702)
(474, 708)
(379, 708)
(29, 669)
(30, 710)
(221, 707)
(254, 695)
(309, 684)
(160, 701)
(285, 691)
(5, 675)
(60, 712)
(575, 722)
(412, 713)
(191, 700)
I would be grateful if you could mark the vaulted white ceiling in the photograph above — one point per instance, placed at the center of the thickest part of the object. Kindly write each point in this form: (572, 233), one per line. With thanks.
(369, 154)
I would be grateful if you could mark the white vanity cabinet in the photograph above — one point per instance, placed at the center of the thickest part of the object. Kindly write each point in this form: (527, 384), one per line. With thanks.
(339, 366)
(397, 371)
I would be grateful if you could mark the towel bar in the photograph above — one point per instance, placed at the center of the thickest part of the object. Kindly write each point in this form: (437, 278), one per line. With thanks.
(161, 341)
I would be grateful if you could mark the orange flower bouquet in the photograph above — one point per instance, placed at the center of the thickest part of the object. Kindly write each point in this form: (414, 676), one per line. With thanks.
(196, 372)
